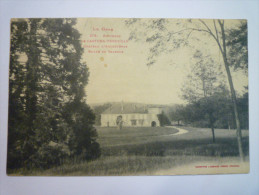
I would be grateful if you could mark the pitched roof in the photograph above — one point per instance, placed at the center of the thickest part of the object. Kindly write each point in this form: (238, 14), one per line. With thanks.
(126, 108)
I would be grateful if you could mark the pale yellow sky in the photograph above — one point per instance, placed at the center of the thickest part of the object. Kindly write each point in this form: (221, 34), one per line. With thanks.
(126, 77)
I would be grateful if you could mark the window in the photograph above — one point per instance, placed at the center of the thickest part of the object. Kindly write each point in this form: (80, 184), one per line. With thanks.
(133, 122)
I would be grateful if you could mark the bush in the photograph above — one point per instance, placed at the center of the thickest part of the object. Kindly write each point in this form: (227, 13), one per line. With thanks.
(163, 119)
(47, 156)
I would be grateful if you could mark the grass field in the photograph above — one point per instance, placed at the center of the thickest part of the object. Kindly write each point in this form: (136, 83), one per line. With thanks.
(148, 151)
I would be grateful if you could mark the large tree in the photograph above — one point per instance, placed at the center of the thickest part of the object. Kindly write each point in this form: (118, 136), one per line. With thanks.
(165, 38)
(205, 90)
(176, 113)
(46, 94)
(237, 46)
(98, 110)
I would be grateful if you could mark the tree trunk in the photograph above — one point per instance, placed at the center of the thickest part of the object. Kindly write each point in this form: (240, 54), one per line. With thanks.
(212, 128)
(213, 134)
(233, 94)
(234, 101)
(30, 92)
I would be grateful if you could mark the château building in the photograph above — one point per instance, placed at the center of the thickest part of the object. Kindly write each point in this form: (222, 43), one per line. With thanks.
(131, 114)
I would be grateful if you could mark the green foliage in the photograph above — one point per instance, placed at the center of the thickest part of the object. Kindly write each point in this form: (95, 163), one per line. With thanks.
(242, 103)
(159, 34)
(177, 113)
(162, 39)
(238, 48)
(214, 110)
(47, 78)
(196, 114)
(213, 107)
(205, 91)
(129, 155)
(163, 119)
(46, 157)
(81, 140)
(204, 80)
(98, 110)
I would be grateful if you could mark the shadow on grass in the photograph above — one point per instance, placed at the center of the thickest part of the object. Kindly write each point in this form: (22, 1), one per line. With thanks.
(203, 147)
(145, 159)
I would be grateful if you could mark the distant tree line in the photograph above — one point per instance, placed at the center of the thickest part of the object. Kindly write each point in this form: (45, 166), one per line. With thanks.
(209, 101)
(191, 114)
(49, 120)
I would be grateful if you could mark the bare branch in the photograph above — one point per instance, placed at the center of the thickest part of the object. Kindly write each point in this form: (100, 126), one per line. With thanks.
(210, 32)
(207, 27)
(216, 30)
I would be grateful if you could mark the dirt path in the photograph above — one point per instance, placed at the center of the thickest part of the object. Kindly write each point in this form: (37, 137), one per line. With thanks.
(180, 131)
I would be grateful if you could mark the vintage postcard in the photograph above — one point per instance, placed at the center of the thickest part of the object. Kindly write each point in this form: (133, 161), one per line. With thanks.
(128, 96)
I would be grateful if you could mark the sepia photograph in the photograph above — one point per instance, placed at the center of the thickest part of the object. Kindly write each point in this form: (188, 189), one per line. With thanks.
(128, 96)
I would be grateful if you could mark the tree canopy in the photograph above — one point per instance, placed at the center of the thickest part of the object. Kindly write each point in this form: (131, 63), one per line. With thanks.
(237, 45)
(206, 92)
(48, 114)
(165, 38)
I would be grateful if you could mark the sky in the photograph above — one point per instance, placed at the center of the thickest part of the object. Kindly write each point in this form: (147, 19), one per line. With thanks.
(116, 77)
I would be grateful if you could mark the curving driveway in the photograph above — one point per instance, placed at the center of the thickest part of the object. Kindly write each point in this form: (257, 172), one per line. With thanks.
(180, 131)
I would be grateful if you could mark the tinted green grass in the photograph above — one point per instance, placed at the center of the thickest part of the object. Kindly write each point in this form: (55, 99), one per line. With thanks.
(143, 151)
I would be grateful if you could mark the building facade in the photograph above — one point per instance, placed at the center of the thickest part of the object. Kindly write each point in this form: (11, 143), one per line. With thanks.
(131, 115)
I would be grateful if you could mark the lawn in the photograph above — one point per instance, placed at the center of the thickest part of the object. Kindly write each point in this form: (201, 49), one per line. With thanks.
(109, 137)
(160, 141)
(154, 150)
